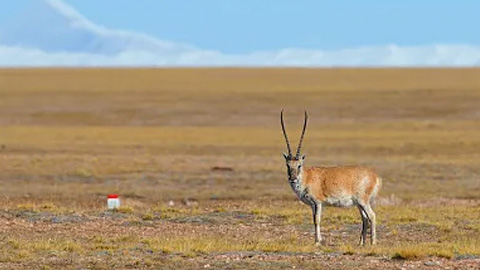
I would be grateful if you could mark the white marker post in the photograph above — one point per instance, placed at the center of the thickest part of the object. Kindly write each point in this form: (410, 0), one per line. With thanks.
(113, 201)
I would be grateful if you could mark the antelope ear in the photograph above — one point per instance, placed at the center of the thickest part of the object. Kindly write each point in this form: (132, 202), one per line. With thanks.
(285, 156)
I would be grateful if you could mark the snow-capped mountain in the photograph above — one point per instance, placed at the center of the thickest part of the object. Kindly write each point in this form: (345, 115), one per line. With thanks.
(53, 26)
(52, 33)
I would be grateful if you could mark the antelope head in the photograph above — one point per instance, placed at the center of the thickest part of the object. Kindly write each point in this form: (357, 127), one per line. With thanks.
(294, 163)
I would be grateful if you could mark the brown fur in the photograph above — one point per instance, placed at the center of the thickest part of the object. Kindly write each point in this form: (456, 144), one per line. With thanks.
(338, 186)
(324, 182)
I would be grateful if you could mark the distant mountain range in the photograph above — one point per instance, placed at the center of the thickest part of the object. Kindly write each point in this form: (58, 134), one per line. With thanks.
(53, 33)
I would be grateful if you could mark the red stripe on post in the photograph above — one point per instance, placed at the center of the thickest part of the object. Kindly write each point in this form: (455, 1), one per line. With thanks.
(112, 196)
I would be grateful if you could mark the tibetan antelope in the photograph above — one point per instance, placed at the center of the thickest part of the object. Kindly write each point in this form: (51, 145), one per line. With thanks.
(340, 186)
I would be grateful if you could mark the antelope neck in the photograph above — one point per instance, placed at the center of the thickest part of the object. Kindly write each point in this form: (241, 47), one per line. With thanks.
(297, 184)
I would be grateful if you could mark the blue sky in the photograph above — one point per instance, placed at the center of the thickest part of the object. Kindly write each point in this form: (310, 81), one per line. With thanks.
(241, 26)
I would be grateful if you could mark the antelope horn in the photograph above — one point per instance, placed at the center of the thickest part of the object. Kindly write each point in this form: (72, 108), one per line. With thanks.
(285, 134)
(301, 137)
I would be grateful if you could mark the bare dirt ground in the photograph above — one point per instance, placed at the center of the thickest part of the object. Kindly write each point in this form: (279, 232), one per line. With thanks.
(196, 156)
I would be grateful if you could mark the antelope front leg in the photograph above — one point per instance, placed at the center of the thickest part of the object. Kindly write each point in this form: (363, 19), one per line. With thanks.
(317, 213)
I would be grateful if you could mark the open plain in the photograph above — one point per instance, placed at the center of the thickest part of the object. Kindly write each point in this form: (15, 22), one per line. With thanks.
(196, 156)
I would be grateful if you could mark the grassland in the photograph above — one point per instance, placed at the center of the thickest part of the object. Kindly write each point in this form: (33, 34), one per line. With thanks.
(68, 137)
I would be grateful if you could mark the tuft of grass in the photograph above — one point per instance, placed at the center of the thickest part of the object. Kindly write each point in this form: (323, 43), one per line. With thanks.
(12, 243)
(48, 206)
(422, 250)
(125, 210)
(16, 256)
(257, 212)
(27, 207)
(53, 245)
(148, 216)
(165, 212)
(222, 210)
(83, 172)
(18, 249)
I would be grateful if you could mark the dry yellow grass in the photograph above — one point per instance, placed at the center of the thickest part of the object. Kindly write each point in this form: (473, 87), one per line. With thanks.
(68, 137)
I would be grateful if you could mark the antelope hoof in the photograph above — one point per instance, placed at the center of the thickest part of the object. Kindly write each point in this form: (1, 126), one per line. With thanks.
(319, 243)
